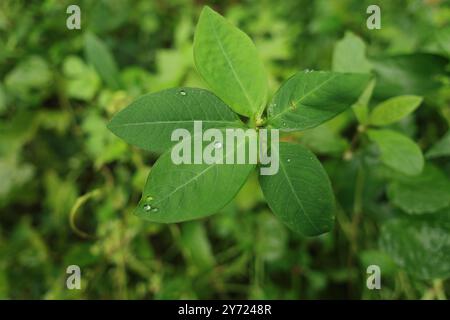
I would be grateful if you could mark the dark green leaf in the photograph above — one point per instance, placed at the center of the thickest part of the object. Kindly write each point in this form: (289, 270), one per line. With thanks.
(425, 193)
(422, 248)
(175, 193)
(310, 98)
(101, 58)
(150, 120)
(300, 194)
(408, 74)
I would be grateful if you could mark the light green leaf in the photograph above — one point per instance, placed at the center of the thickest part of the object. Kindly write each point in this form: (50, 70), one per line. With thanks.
(349, 55)
(440, 148)
(398, 151)
(227, 60)
(101, 58)
(324, 140)
(13, 175)
(150, 120)
(100, 144)
(394, 109)
(443, 40)
(379, 258)
(30, 80)
(425, 193)
(196, 245)
(300, 194)
(361, 107)
(272, 237)
(310, 98)
(82, 81)
(175, 193)
(422, 248)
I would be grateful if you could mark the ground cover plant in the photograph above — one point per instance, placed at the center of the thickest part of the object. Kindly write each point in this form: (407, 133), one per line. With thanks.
(69, 186)
(300, 193)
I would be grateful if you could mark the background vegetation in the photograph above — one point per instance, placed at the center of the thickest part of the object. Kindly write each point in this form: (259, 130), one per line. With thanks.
(68, 186)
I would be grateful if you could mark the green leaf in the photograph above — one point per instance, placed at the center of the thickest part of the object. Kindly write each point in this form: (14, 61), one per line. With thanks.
(324, 140)
(408, 74)
(425, 193)
(300, 194)
(398, 151)
(349, 55)
(150, 120)
(272, 237)
(310, 98)
(99, 143)
(227, 60)
(422, 248)
(443, 40)
(13, 175)
(441, 217)
(30, 80)
(101, 58)
(196, 245)
(82, 81)
(379, 258)
(175, 193)
(440, 148)
(394, 109)
(361, 107)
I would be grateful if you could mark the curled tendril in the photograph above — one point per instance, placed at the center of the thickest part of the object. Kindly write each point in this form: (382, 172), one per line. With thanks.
(75, 208)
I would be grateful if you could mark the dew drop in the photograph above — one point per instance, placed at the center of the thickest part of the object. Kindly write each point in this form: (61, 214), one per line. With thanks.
(149, 198)
(147, 207)
(183, 93)
(284, 124)
(155, 210)
(288, 160)
(218, 145)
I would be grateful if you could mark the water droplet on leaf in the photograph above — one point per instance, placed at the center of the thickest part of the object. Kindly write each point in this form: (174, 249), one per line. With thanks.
(155, 210)
(147, 207)
(183, 93)
(149, 198)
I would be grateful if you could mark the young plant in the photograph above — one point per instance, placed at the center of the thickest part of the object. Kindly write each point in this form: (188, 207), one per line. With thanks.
(299, 194)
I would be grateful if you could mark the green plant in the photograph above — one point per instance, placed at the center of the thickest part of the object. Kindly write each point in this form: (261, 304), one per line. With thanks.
(299, 194)
(416, 238)
(68, 185)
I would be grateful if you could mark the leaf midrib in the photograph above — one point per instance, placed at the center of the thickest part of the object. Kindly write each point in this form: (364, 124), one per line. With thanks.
(196, 176)
(291, 187)
(227, 59)
(170, 122)
(286, 108)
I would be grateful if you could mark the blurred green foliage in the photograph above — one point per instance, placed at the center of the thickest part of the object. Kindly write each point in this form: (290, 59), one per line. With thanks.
(68, 186)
